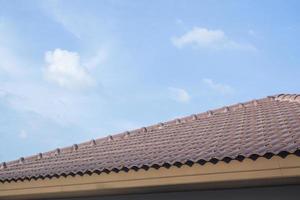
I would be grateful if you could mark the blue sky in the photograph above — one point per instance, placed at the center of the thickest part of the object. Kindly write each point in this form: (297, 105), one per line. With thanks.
(74, 70)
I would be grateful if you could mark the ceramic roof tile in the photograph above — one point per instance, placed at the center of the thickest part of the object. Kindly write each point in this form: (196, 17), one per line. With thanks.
(257, 128)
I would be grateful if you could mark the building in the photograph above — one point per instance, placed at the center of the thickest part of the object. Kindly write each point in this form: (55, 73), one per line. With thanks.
(244, 151)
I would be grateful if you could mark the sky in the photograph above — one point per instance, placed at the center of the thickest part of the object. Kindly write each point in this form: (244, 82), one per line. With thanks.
(71, 71)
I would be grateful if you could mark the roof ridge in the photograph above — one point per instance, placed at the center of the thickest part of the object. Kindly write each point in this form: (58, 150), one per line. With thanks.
(288, 97)
(126, 134)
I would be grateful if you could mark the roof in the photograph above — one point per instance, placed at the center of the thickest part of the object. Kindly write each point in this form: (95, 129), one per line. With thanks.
(264, 127)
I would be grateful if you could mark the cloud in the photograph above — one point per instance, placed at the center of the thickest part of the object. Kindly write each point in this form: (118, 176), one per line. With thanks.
(8, 62)
(8, 58)
(97, 59)
(251, 32)
(62, 16)
(212, 39)
(218, 87)
(87, 27)
(179, 94)
(64, 68)
(179, 21)
(23, 134)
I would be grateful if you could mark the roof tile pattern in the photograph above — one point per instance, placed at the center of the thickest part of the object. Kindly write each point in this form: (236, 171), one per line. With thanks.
(257, 128)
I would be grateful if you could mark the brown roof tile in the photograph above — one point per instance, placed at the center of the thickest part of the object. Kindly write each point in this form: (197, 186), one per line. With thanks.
(257, 128)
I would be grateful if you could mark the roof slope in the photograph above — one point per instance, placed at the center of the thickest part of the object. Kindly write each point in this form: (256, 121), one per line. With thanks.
(256, 128)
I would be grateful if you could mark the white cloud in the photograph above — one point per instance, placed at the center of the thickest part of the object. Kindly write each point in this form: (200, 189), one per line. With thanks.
(8, 58)
(218, 87)
(87, 27)
(251, 32)
(179, 94)
(62, 16)
(205, 38)
(7, 61)
(179, 21)
(64, 68)
(23, 134)
(97, 59)
(54, 104)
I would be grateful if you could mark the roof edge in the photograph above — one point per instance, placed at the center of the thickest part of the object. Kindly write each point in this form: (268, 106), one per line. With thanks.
(221, 175)
(227, 160)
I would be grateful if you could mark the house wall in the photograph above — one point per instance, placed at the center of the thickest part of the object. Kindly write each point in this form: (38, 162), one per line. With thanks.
(264, 193)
